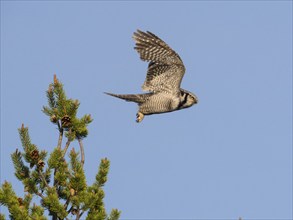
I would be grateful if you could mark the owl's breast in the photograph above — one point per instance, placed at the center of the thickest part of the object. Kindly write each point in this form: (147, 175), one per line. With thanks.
(159, 103)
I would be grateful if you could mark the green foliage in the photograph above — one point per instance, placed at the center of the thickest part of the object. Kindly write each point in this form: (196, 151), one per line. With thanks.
(15, 205)
(52, 203)
(69, 193)
(37, 212)
(114, 215)
(2, 217)
(101, 177)
(21, 171)
(61, 176)
(62, 112)
(77, 177)
(56, 159)
(31, 154)
(96, 193)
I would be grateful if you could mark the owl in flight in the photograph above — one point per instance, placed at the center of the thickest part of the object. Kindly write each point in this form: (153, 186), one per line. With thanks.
(163, 79)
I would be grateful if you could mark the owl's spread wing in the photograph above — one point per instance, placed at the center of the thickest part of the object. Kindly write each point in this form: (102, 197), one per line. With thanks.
(166, 69)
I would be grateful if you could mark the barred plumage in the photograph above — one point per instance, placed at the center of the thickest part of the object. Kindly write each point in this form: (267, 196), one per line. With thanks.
(164, 76)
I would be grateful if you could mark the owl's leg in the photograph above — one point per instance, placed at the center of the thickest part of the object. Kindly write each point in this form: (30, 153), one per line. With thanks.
(139, 117)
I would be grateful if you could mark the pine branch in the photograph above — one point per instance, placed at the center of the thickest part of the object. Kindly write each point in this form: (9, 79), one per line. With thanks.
(14, 204)
(66, 146)
(43, 178)
(73, 107)
(25, 138)
(52, 203)
(37, 212)
(40, 195)
(60, 137)
(77, 179)
(51, 97)
(27, 200)
(57, 162)
(114, 215)
(101, 177)
(81, 151)
(69, 178)
(21, 171)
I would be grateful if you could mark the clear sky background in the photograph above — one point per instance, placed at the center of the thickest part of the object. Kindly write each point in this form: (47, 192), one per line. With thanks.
(228, 156)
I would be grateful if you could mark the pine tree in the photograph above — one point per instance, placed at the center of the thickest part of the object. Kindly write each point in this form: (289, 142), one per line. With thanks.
(59, 183)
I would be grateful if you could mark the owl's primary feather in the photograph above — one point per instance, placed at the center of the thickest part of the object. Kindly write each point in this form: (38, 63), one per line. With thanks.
(163, 79)
(165, 70)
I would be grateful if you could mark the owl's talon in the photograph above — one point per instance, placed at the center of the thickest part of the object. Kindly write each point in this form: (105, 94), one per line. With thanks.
(139, 117)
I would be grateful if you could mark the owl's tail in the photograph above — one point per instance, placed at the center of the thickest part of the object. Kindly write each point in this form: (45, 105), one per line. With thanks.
(138, 98)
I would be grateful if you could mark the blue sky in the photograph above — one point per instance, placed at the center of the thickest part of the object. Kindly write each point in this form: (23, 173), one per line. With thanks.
(228, 156)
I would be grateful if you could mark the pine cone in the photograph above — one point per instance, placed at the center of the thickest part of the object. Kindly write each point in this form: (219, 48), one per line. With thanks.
(65, 121)
(72, 192)
(74, 211)
(41, 164)
(53, 119)
(20, 201)
(35, 154)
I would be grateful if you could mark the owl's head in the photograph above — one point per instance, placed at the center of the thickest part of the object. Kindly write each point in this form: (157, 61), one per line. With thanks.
(187, 99)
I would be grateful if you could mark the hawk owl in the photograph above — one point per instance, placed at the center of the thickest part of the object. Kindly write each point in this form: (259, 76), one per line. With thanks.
(164, 75)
